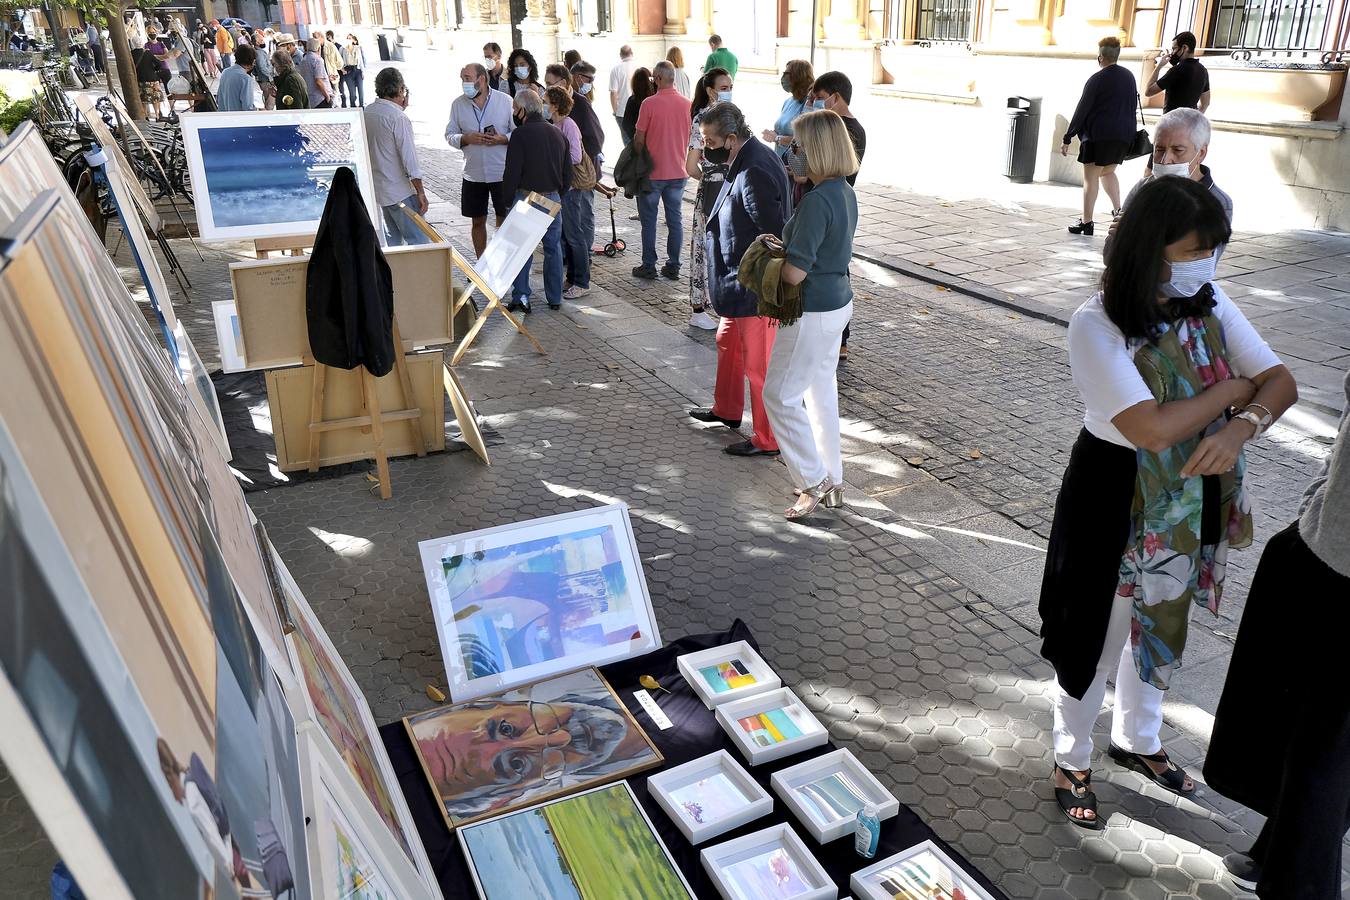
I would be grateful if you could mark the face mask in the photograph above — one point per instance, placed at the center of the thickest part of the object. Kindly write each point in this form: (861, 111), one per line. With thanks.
(548, 113)
(489, 64)
(585, 88)
(1174, 58)
(522, 72)
(818, 104)
(724, 96)
(1189, 277)
(1181, 169)
(717, 155)
(470, 89)
(787, 85)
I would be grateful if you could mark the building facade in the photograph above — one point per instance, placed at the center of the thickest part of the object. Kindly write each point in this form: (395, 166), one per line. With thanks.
(933, 78)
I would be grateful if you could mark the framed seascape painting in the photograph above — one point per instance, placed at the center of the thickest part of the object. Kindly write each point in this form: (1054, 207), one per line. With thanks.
(772, 864)
(828, 792)
(488, 756)
(596, 845)
(709, 796)
(923, 872)
(517, 603)
(331, 701)
(266, 174)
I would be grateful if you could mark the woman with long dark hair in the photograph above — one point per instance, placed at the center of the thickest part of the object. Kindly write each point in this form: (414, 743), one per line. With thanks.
(641, 86)
(523, 72)
(1175, 381)
(713, 87)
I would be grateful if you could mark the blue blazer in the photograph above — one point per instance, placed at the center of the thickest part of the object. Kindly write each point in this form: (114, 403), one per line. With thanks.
(755, 199)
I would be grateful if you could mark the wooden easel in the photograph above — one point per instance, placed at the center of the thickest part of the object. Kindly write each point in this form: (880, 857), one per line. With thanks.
(286, 245)
(373, 418)
(476, 281)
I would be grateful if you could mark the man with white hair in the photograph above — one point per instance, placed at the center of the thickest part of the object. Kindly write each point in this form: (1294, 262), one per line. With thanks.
(1180, 146)
(663, 132)
(314, 73)
(538, 160)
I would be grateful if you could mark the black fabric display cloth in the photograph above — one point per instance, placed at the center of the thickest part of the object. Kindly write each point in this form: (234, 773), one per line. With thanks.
(696, 733)
(254, 451)
(1281, 742)
(349, 290)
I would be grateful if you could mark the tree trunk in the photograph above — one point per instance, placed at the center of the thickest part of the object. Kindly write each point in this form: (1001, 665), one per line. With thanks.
(126, 68)
(59, 36)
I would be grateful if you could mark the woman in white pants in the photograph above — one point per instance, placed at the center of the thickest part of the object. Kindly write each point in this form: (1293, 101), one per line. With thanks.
(801, 394)
(1175, 381)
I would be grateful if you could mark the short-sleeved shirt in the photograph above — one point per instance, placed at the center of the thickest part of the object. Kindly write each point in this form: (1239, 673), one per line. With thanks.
(1183, 84)
(621, 81)
(1102, 361)
(818, 239)
(311, 70)
(664, 119)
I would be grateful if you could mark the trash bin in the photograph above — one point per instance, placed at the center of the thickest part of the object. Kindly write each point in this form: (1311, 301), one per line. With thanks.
(384, 47)
(1024, 123)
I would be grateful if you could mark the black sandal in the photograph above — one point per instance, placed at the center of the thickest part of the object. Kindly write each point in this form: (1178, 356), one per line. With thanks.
(1171, 780)
(1080, 797)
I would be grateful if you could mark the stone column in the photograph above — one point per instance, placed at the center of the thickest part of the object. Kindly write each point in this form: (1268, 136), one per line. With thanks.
(698, 23)
(676, 14)
(539, 31)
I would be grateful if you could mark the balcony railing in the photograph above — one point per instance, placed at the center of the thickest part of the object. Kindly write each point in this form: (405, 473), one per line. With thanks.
(1274, 25)
(943, 20)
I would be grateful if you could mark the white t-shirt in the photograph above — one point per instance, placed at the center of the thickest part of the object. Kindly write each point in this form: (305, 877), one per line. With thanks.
(1102, 362)
(621, 80)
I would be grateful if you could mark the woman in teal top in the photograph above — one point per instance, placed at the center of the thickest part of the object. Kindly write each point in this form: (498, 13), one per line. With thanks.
(801, 394)
(796, 81)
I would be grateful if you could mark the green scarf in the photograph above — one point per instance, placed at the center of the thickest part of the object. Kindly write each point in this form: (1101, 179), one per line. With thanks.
(1166, 568)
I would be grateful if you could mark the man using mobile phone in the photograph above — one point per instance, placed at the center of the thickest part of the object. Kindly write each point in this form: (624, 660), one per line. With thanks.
(480, 127)
(1181, 76)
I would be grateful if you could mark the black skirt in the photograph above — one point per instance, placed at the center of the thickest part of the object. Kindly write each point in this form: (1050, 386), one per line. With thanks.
(1103, 153)
(1082, 562)
(1281, 741)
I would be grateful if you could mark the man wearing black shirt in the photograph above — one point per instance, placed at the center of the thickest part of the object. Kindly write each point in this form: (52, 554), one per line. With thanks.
(1186, 82)
(538, 159)
(833, 91)
(592, 134)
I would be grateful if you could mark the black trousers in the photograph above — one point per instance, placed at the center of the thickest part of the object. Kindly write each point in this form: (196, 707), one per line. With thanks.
(1281, 741)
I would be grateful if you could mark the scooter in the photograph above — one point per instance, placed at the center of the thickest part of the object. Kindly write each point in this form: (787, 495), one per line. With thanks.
(616, 244)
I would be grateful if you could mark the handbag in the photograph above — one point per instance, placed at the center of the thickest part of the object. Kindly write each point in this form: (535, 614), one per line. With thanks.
(795, 161)
(1141, 145)
(583, 174)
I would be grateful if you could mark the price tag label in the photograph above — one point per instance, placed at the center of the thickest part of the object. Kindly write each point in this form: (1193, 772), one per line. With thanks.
(648, 704)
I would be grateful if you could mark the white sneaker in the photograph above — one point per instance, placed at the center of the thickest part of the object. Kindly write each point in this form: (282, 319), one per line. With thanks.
(575, 292)
(702, 320)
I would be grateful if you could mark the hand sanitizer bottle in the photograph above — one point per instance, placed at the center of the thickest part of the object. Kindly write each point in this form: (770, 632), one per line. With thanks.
(867, 833)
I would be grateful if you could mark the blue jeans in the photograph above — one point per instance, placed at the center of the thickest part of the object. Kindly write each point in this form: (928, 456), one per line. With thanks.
(669, 193)
(553, 263)
(399, 227)
(578, 234)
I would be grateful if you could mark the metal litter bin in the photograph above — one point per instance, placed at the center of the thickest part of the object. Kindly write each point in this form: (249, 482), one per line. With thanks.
(1024, 123)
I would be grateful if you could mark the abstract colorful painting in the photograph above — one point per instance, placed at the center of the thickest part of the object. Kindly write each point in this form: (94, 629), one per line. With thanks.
(507, 751)
(727, 676)
(832, 798)
(355, 874)
(592, 846)
(766, 876)
(771, 727)
(519, 603)
(925, 875)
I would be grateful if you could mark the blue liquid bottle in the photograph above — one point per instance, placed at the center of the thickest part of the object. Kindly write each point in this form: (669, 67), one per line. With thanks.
(867, 833)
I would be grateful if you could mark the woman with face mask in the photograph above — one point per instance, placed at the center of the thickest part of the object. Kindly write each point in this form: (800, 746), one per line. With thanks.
(523, 73)
(796, 81)
(1175, 382)
(708, 170)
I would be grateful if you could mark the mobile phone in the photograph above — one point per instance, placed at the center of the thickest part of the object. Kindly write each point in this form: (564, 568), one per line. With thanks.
(491, 129)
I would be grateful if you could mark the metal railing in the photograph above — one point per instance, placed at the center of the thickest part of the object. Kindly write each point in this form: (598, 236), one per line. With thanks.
(1276, 25)
(943, 20)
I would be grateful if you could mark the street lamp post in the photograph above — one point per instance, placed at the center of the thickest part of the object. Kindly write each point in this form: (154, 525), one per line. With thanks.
(815, 8)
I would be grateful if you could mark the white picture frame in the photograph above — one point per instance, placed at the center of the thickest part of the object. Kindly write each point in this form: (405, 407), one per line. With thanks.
(775, 853)
(694, 667)
(512, 245)
(493, 614)
(341, 840)
(798, 787)
(866, 883)
(807, 732)
(229, 338)
(215, 181)
(717, 770)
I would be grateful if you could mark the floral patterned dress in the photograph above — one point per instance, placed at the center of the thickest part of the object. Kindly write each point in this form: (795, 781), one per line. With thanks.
(713, 174)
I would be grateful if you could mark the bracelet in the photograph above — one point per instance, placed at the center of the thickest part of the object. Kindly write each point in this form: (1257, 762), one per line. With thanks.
(1270, 415)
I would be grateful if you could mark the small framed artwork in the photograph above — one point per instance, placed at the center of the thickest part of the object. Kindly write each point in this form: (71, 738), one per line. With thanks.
(828, 792)
(772, 864)
(919, 873)
(489, 756)
(771, 726)
(709, 796)
(575, 847)
(729, 672)
(229, 338)
(520, 602)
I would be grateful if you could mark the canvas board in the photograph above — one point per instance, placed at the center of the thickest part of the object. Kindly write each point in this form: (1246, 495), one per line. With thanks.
(264, 174)
(288, 398)
(330, 703)
(772, 864)
(729, 672)
(511, 247)
(917, 873)
(350, 859)
(827, 793)
(709, 796)
(516, 603)
(85, 103)
(770, 726)
(482, 758)
(466, 415)
(572, 847)
(229, 337)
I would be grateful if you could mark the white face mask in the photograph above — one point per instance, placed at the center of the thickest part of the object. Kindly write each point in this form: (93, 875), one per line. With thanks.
(548, 113)
(522, 72)
(724, 96)
(1181, 169)
(470, 89)
(489, 64)
(585, 87)
(1189, 277)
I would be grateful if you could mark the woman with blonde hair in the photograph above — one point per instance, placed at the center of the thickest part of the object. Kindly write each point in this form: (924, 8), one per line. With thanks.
(801, 393)
(676, 58)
